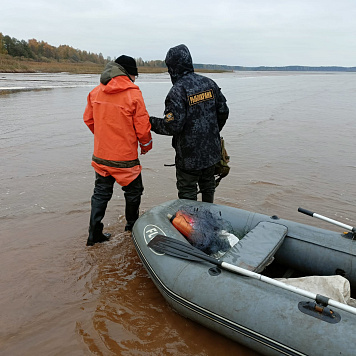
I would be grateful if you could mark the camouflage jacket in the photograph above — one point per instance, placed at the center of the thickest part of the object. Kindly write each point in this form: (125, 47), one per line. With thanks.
(195, 112)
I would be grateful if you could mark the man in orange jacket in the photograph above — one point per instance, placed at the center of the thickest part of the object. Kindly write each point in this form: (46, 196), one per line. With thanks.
(116, 114)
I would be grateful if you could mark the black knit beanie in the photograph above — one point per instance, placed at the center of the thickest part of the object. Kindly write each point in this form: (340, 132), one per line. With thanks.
(128, 63)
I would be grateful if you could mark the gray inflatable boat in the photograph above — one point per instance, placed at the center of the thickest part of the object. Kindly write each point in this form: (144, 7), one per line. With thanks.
(244, 288)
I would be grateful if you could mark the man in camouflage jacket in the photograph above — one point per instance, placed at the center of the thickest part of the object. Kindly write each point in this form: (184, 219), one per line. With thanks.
(195, 112)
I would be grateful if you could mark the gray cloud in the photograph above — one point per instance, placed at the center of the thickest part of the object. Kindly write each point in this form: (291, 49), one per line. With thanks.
(240, 32)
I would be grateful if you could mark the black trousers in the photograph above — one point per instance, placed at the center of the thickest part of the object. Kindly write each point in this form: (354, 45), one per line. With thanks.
(188, 181)
(103, 191)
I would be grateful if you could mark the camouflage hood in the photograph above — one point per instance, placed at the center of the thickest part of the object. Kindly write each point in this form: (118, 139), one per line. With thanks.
(112, 70)
(179, 62)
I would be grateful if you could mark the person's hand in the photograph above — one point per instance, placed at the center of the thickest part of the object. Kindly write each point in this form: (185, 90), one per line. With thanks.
(145, 148)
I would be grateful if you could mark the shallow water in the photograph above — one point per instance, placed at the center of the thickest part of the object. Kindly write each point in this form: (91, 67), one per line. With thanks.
(291, 141)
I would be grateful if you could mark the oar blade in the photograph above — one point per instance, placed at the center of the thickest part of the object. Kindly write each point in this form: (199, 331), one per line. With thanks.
(168, 250)
(176, 248)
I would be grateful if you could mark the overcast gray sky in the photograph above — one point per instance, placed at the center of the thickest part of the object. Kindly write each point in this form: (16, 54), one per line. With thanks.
(235, 32)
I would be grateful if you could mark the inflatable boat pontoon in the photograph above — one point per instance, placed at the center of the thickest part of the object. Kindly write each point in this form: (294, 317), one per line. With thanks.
(282, 288)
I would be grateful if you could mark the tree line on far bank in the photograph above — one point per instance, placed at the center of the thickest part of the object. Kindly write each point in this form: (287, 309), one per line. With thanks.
(43, 52)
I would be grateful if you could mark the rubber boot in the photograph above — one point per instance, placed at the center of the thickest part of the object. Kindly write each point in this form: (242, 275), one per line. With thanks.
(131, 214)
(96, 235)
(98, 238)
(208, 197)
(102, 194)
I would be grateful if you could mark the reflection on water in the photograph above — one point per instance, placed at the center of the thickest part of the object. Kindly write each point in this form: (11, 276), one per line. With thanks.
(33, 81)
(290, 138)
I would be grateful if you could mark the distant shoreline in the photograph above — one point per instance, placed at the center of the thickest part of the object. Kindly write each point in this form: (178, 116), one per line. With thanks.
(18, 65)
(14, 65)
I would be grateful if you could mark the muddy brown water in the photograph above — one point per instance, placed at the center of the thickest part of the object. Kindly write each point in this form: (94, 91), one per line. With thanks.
(291, 141)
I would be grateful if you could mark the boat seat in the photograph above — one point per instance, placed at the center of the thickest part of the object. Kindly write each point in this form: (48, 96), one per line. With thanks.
(256, 249)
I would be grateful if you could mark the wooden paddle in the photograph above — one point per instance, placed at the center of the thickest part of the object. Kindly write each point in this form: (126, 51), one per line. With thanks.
(321, 217)
(179, 249)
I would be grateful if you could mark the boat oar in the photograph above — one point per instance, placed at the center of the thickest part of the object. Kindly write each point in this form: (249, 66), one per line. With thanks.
(321, 217)
(179, 249)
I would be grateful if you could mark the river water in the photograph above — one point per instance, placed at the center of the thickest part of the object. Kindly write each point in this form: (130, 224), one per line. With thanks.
(291, 138)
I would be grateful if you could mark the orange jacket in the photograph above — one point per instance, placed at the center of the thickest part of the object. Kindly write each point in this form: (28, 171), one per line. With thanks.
(116, 114)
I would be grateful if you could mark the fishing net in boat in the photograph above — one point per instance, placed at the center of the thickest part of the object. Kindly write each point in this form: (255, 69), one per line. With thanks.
(205, 230)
